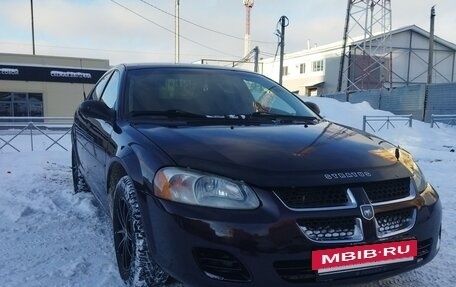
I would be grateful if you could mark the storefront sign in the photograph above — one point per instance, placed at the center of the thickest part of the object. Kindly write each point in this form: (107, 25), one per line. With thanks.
(9, 71)
(71, 74)
(49, 74)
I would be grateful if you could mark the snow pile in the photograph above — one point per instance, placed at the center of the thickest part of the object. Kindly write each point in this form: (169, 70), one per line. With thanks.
(52, 237)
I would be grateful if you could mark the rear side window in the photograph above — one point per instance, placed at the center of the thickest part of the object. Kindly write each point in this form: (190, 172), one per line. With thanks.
(111, 91)
(98, 90)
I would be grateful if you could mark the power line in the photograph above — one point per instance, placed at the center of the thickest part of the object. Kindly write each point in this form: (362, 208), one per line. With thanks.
(267, 53)
(202, 27)
(171, 31)
(83, 48)
(96, 49)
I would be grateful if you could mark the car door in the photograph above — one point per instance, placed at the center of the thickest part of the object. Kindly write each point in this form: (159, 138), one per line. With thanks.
(101, 133)
(84, 134)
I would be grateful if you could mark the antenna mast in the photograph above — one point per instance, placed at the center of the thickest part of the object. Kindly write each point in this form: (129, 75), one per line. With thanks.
(248, 6)
(366, 63)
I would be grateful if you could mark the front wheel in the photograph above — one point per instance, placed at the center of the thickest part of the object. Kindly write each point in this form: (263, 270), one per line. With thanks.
(136, 267)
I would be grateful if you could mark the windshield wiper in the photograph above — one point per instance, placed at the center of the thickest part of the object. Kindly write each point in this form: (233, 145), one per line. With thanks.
(283, 118)
(256, 116)
(168, 113)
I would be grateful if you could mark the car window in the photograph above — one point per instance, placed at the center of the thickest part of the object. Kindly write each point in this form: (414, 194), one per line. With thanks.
(111, 91)
(208, 92)
(98, 90)
(270, 97)
(267, 99)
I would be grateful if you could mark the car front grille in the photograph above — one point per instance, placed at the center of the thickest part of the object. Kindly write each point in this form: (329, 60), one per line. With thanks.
(328, 196)
(424, 248)
(335, 229)
(394, 222)
(340, 196)
(339, 229)
(387, 190)
(220, 265)
(295, 271)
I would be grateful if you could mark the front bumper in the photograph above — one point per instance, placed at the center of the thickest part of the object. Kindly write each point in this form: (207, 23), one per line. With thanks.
(266, 247)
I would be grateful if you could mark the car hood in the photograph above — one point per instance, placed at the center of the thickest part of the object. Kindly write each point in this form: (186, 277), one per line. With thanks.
(279, 155)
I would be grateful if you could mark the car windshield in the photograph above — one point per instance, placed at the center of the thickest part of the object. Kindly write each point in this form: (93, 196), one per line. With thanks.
(208, 93)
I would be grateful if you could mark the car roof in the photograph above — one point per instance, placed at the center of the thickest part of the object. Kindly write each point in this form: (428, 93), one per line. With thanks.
(136, 66)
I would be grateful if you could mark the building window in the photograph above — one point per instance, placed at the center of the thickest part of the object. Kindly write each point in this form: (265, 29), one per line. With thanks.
(285, 70)
(317, 66)
(21, 104)
(302, 68)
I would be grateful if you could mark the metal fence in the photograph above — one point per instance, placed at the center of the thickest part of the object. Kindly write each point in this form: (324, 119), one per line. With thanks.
(441, 100)
(385, 121)
(446, 119)
(19, 133)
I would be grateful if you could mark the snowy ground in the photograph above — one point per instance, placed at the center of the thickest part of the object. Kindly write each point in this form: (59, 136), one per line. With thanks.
(52, 237)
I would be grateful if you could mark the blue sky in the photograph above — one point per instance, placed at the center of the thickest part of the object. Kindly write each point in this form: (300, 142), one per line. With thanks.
(104, 29)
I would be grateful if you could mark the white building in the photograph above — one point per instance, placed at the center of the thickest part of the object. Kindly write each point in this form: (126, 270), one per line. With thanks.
(315, 70)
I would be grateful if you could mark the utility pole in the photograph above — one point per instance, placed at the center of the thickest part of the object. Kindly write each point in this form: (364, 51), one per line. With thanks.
(256, 52)
(431, 47)
(430, 62)
(33, 28)
(176, 22)
(283, 23)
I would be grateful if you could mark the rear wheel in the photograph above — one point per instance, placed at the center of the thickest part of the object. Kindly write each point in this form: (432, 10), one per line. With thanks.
(136, 267)
(79, 183)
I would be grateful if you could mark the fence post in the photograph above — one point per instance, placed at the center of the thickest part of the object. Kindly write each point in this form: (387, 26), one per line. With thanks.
(364, 123)
(31, 135)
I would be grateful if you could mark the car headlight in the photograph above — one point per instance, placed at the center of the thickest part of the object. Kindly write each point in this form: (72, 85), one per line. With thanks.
(192, 187)
(418, 178)
(417, 175)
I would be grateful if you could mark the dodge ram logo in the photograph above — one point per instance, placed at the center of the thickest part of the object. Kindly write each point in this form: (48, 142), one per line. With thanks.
(367, 211)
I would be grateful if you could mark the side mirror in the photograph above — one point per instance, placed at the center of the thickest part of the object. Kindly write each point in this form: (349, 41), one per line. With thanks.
(314, 107)
(97, 110)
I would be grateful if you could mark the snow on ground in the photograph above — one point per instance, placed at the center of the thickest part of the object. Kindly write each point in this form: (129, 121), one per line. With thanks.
(50, 237)
(53, 237)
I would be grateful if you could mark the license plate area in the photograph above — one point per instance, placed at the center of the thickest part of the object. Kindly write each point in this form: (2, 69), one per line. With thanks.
(345, 259)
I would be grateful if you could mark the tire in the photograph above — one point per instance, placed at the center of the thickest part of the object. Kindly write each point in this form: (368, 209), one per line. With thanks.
(136, 267)
(79, 183)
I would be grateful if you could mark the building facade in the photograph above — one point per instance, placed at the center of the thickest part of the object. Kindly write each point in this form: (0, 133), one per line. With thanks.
(45, 86)
(315, 71)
